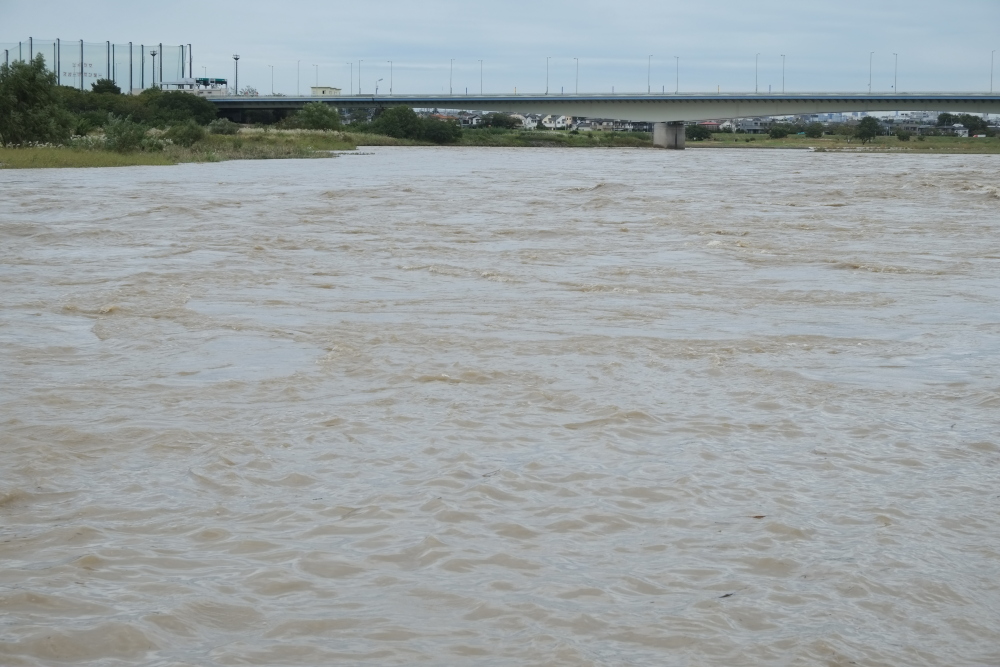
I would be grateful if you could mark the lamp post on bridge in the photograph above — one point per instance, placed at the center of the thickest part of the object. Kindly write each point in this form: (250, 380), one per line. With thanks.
(870, 56)
(756, 74)
(451, 77)
(547, 59)
(236, 79)
(992, 55)
(153, 53)
(895, 74)
(649, 70)
(390, 77)
(782, 73)
(272, 79)
(480, 76)
(577, 75)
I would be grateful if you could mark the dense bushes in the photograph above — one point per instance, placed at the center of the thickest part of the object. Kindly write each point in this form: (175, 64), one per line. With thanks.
(404, 123)
(314, 116)
(29, 108)
(697, 133)
(185, 134)
(122, 135)
(223, 126)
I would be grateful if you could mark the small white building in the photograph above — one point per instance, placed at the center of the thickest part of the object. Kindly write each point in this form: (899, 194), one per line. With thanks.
(325, 91)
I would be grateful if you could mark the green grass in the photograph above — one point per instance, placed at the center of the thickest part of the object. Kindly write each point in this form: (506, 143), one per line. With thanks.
(957, 145)
(554, 138)
(57, 157)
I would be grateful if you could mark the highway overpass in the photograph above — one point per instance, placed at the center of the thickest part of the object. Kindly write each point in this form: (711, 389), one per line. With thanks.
(668, 112)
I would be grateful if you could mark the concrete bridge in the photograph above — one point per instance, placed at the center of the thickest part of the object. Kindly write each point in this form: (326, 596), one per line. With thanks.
(667, 112)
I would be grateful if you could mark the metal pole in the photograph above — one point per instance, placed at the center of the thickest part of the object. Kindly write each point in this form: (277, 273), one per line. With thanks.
(870, 56)
(81, 64)
(6, 57)
(649, 70)
(183, 61)
(190, 62)
(153, 53)
(782, 73)
(895, 75)
(161, 64)
(114, 67)
(31, 49)
(480, 77)
(577, 75)
(756, 72)
(451, 76)
(236, 60)
(142, 66)
(547, 59)
(58, 62)
(390, 77)
(359, 75)
(55, 62)
(298, 77)
(677, 88)
(108, 57)
(131, 82)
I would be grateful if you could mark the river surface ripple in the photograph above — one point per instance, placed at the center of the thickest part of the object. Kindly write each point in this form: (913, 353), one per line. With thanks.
(502, 407)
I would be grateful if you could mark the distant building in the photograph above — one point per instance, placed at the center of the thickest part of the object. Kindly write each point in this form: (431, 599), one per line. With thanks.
(201, 86)
(325, 91)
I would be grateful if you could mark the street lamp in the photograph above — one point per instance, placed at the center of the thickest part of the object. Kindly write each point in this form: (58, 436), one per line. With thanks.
(236, 81)
(577, 75)
(895, 74)
(153, 53)
(870, 56)
(992, 55)
(451, 76)
(649, 70)
(317, 75)
(782, 73)
(677, 86)
(480, 76)
(298, 77)
(390, 76)
(272, 79)
(547, 59)
(376, 86)
(756, 72)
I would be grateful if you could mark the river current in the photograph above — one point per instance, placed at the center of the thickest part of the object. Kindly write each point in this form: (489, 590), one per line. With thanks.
(450, 406)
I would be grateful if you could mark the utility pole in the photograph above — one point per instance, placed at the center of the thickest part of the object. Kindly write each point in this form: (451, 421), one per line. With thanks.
(153, 53)
(992, 56)
(649, 71)
(756, 74)
(547, 59)
(480, 77)
(390, 77)
(236, 60)
(577, 75)
(782, 73)
(870, 56)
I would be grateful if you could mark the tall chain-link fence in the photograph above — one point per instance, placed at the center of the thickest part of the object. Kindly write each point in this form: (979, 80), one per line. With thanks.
(131, 66)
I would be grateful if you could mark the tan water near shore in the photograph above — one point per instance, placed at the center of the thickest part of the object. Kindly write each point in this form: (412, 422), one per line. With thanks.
(502, 407)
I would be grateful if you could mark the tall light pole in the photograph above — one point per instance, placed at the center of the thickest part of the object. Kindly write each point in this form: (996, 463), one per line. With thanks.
(577, 75)
(992, 56)
(153, 53)
(236, 60)
(895, 75)
(480, 76)
(649, 71)
(359, 75)
(317, 75)
(677, 86)
(451, 77)
(390, 77)
(351, 89)
(756, 72)
(547, 59)
(870, 56)
(298, 77)
(376, 86)
(272, 79)
(782, 73)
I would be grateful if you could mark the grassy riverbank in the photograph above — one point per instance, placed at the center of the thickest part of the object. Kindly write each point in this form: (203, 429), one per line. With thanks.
(945, 145)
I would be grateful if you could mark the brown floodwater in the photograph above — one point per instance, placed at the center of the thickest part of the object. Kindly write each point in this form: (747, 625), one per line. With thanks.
(502, 407)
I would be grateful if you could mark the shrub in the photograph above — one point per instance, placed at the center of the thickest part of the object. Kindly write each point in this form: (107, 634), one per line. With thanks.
(106, 86)
(778, 132)
(814, 130)
(186, 134)
(441, 131)
(903, 135)
(223, 126)
(122, 135)
(399, 122)
(697, 133)
(29, 107)
(316, 116)
(502, 120)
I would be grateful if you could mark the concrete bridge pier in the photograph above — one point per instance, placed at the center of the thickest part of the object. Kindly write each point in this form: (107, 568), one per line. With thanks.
(669, 135)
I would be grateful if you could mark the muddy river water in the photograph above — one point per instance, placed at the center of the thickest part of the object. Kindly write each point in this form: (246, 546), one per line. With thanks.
(502, 407)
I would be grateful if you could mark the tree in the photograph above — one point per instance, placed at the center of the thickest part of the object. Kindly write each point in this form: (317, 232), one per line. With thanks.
(697, 133)
(399, 122)
(868, 129)
(317, 116)
(441, 131)
(814, 130)
(29, 107)
(778, 131)
(501, 120)
(105, 86)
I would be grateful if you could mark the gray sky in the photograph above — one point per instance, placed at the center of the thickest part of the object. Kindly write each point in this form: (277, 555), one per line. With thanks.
(941, 46)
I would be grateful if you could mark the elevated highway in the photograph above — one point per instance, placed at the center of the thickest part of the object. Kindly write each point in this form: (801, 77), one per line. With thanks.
(669, 112)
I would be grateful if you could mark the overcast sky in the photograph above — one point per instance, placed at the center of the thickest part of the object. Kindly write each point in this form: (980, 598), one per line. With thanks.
(942, 46)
